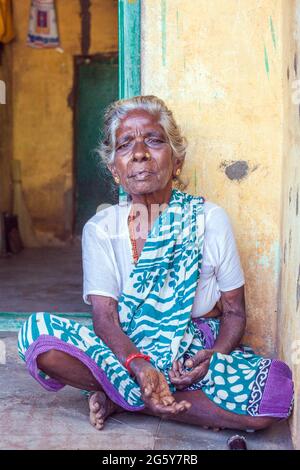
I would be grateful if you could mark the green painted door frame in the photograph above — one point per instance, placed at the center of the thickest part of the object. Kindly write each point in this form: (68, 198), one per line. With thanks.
(129, 48)
(129, 55)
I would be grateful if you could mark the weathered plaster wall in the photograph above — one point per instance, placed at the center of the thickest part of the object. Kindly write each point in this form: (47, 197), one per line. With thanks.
(219, 67)
(289, 315)
(6, 132)
(42, 116)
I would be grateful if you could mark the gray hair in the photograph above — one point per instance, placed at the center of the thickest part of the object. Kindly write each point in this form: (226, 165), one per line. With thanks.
(117, 110)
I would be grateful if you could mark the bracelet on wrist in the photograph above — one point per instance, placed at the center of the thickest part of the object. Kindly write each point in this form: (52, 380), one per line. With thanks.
(135, 356)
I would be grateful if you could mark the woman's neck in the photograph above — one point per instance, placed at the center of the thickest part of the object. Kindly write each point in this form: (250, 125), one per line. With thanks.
(148, 206)
(162, 196)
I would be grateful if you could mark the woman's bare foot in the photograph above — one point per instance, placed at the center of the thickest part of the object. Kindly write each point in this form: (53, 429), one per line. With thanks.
(100, 408)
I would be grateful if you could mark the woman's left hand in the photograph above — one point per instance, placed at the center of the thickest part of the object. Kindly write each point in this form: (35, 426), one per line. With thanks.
(198, 364)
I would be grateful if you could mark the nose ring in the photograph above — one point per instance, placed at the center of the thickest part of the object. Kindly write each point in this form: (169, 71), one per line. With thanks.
(147, 155)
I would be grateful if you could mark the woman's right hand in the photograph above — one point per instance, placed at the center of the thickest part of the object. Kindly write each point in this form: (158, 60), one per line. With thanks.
(156, 393)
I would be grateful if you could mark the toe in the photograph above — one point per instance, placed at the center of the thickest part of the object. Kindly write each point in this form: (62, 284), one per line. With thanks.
(95, 406)
(99, 424)
(100, 414)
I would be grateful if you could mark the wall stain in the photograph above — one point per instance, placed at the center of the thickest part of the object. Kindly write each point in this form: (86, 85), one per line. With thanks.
(267, 66)
(275, 253)
(290, 196)
(284, 253)
(298, 289)
(297, 202)
(288, 73)
(237, 170)
(85, 26)
(195, 181)
(290, 239)
(296, 64)
(273, 33)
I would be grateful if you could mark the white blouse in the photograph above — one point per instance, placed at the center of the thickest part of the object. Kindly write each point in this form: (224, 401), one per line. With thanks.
(107, 257)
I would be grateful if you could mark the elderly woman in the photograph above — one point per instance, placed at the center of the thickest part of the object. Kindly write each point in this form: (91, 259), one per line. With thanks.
(167, 291)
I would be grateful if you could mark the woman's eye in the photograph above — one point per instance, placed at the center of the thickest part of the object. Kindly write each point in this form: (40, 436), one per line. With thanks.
(154, 141)
(123, 146)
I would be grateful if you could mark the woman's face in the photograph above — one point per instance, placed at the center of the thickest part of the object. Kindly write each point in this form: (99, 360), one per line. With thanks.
(140, 134)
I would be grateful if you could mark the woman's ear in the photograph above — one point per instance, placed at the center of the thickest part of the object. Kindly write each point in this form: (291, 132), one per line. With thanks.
(112, 169)
(177, 166)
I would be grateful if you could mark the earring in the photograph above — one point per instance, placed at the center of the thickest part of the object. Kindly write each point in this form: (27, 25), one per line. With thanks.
(178, 171)
(117, 180)
(147, 155)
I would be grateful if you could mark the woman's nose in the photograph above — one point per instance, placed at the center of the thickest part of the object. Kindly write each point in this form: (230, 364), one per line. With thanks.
(139, 151)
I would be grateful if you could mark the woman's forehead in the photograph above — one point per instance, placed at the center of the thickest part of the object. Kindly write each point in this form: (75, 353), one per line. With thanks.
(139, 119)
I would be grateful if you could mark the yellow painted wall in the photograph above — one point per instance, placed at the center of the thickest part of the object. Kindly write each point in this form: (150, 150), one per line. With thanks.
(42, 117)
(289, 318)
(228, 69)
(218, 65)
(6, 132)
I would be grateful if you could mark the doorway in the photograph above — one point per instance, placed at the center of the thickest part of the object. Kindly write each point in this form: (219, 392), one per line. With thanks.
(96, 86)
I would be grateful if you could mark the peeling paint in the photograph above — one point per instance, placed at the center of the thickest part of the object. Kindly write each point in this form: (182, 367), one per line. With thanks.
(275, 254)
(298, 289)
(270, 257)
(267, 66)
(163, 30)
(236, 170)
(273, 33)
(264, 260)
(85, 26)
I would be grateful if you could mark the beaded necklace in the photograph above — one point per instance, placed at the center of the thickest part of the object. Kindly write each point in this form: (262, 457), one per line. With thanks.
(135, 255)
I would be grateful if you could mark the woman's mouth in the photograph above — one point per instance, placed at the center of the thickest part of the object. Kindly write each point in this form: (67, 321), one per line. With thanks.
(142, 175)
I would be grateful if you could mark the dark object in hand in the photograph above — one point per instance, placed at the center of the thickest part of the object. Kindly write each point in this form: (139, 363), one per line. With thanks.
(237, 443)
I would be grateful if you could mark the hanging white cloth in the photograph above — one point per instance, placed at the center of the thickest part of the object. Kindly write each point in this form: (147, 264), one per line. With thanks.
(43, 30)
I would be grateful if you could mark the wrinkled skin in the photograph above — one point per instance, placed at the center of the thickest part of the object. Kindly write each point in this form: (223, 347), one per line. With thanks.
(156, 393)
(198, 366)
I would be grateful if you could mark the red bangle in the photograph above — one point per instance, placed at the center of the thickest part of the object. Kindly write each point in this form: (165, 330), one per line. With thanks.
(135, 356)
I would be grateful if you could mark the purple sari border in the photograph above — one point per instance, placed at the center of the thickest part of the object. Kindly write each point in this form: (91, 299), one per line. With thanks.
(45, 343)
(206, 330)
(277, 401)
